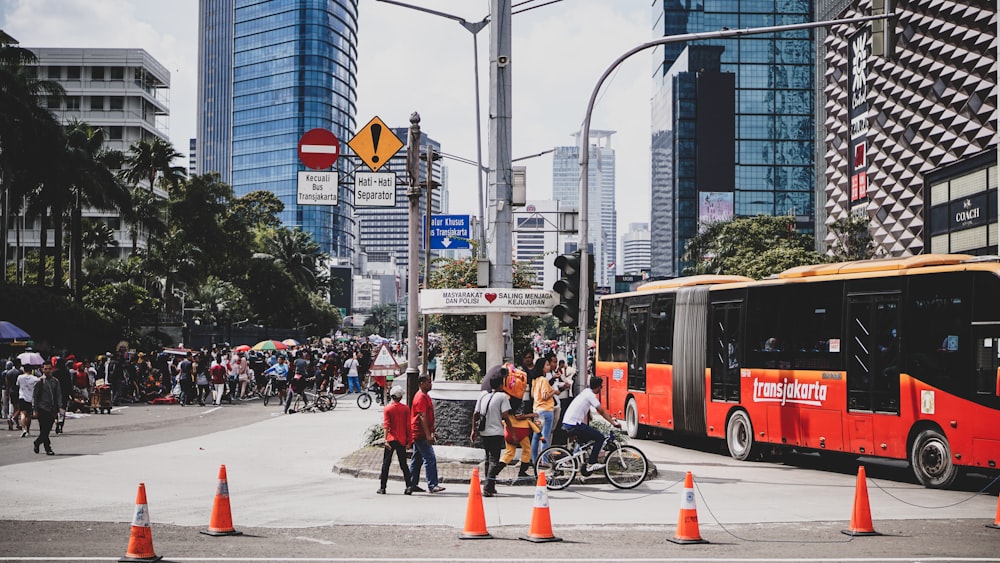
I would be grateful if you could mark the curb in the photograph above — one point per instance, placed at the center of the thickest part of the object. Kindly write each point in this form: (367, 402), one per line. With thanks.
(366, 463)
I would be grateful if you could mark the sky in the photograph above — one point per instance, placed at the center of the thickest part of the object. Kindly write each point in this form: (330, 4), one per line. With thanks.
(411, 61)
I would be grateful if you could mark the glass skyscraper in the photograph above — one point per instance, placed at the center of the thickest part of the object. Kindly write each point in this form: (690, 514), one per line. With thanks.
(268, 72)
(770, 81)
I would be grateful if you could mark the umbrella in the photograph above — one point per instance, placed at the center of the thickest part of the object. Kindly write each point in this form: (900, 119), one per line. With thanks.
(270, 345)
(30, 359)
(242, 348)
(10, 332)
(290, 342)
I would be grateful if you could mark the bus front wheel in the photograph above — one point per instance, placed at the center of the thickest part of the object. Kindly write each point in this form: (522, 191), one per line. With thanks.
(931, 460)
(632, 426)
(739, 436)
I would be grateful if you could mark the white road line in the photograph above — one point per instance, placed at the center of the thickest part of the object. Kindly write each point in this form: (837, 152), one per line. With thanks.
(212, 410)
(316, 540)
(533, 560)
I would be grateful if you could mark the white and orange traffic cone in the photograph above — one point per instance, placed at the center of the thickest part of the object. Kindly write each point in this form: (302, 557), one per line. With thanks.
(687, 520)
(861, 516)
(140, 542)
(475, 515)
(221, 522)
(541, 524)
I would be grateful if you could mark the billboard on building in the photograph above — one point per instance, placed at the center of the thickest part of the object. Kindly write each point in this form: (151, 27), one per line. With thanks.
(857, 84)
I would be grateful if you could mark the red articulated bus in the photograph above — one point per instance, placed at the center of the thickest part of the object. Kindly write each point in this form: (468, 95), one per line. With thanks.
(897, 359)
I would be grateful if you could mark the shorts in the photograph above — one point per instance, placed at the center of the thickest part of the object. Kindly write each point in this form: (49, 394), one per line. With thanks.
(23, 406)
(280, 385)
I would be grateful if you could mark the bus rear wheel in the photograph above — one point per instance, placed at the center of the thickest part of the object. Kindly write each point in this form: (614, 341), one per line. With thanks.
(632, 426)
(739, 436)
(931, 460)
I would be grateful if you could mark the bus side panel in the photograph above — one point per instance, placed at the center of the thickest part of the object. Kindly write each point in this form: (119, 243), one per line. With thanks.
(959, 419)
(614, 375)
(717, 412)
(659, 410)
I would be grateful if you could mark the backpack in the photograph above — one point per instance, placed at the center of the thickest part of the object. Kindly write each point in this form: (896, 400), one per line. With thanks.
(515, 383)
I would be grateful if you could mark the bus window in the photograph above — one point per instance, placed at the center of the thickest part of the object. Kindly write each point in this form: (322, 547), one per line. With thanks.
(605, 338)
(725, 351)
(766, 332)
(619, 336)
(637, 321)
(661, 331)
(938, 338)
(812, 335)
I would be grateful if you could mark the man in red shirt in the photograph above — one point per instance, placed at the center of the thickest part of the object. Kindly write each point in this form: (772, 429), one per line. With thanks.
(423, 437)
(396, 421)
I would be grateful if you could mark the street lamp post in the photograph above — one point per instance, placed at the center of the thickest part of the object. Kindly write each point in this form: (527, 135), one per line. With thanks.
(581, 344)
(474, 28)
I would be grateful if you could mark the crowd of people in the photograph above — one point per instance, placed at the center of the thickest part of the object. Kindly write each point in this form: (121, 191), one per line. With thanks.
(60, 384)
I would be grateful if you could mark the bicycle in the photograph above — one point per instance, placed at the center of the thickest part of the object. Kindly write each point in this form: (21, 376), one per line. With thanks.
(322, 402)
(370, 388)
(267, 391)
(625, 466)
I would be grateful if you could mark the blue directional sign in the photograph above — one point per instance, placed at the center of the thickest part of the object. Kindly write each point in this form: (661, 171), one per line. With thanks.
(449, 232)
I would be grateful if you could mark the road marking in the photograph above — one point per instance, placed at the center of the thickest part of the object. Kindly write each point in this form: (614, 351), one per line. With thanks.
(212, 410)
(118, 409)
(533, 560)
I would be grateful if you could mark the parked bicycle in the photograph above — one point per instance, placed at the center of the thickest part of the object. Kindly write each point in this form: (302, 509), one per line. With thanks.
(625, 466)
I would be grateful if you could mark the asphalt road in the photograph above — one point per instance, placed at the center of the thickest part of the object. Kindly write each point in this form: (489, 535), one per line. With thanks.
(292, 506)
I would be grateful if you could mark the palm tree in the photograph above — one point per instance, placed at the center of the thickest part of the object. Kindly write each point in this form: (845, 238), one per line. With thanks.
(146, 212)
(298, 254)
(148, 158)
(93, 184)
(29, 134)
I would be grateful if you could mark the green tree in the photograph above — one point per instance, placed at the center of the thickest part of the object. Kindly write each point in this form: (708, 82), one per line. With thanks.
(854, 238)
(461, 360)
(148, 159)
(382, 319)
(89, 174)
(124, 304)
(755, 247)
(29, 133)
(146, 213)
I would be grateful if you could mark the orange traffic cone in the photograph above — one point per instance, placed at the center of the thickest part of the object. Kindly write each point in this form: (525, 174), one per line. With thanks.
(861, 516)
(221, 523)
(140, 542)
(541, 525)
(687, 520)
(475, 516)
(996, 521)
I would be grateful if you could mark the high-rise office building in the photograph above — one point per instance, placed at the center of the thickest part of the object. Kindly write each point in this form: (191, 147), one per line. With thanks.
(384, 231)
(269, 72)
(602, 215)
(910, 132)
(122, 91)
(636, 249)
(535, 238)
(759, 90)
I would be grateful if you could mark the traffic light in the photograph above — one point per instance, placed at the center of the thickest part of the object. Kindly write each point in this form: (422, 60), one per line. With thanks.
(567, 312)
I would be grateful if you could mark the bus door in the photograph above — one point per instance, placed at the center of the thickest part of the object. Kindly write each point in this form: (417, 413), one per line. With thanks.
(873, 359)
(638, 321)
(725, 351)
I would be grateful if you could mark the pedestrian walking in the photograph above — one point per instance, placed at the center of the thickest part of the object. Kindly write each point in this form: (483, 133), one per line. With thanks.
(396, 421)
(25, 394)
(422, 426)
(46, 399)
(492, 408)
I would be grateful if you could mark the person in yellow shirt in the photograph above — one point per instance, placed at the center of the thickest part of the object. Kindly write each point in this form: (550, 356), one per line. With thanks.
(543, 396)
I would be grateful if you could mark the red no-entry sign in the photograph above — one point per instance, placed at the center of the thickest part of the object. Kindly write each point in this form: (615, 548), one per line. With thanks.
(318, 149)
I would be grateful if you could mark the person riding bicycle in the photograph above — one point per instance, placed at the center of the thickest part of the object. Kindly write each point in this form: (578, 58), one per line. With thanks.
(300, 380)
(279, 372)
(575, 421)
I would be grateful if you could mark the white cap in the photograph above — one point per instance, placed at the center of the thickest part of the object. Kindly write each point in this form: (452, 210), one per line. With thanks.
(396, 392)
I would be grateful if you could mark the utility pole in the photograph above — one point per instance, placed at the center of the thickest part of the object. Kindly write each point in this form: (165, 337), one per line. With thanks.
(430, 157)
(498, 325)
(413, 257)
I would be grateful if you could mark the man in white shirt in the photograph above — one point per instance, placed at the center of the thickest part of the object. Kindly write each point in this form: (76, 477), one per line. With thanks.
(575, 420)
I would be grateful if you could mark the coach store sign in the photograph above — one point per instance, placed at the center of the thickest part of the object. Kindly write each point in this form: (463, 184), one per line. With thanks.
(484, 300)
